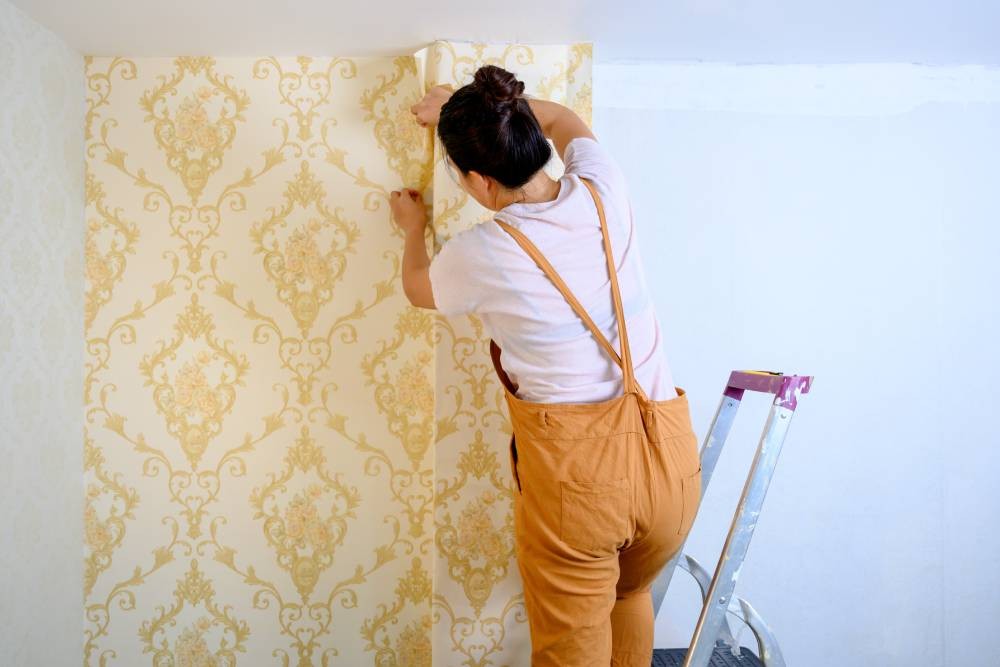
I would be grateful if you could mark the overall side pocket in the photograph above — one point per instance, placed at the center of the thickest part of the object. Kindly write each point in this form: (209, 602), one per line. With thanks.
(594, 516)
(690, 500)
(512, 455)
(690, 482)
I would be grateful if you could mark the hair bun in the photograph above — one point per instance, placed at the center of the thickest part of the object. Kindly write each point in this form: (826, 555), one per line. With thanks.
(500, 87)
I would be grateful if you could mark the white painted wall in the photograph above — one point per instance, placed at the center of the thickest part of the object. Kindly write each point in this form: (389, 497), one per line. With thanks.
(840, 221)
(41, 345)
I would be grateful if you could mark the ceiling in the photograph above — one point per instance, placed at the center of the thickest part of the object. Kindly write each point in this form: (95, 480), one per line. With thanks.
(734, 31)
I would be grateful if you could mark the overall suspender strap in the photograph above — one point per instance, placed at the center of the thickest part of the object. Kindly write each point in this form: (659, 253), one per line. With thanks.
(625, 360)
(616, 294)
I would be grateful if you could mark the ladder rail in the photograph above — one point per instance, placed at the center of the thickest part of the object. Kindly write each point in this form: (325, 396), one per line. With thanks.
(719, 599)
(737, 543)
(722, 422)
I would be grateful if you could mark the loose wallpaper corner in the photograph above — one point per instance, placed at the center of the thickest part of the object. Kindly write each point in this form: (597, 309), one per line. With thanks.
(285, 463)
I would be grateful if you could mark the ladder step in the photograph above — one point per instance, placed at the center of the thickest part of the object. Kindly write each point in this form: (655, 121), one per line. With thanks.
(721, 657)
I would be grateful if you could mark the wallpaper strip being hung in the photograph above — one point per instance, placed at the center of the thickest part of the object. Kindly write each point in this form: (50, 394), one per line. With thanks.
(478, 604)
(285, 463)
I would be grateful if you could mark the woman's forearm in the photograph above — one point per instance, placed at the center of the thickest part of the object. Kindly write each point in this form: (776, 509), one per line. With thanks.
(415, 264)
(415, 256)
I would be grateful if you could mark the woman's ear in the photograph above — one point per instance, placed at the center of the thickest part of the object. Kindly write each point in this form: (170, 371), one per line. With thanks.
(474, 179)
(483, 189)
(477, 183)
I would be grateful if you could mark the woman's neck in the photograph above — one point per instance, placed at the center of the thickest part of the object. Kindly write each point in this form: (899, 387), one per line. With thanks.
(541, 188)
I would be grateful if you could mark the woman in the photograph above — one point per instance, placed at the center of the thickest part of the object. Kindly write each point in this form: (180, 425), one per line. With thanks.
(603, 457)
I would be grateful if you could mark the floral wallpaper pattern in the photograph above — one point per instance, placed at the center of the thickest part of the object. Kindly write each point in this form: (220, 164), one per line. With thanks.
(285, 463)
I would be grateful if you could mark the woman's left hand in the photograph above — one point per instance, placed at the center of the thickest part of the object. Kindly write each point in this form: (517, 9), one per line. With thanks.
(408, 210)
(428, 110)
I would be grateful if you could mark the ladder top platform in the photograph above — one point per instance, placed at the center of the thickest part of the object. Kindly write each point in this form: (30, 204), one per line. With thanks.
(786, 388)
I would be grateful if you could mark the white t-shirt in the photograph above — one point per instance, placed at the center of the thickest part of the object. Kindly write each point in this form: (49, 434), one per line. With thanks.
(547, 349)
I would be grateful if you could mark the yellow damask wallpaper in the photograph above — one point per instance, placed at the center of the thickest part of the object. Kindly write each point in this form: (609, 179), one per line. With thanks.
(285, 463)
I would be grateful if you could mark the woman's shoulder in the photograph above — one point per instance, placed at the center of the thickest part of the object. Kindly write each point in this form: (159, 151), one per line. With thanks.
(588, 158)
(469, 245)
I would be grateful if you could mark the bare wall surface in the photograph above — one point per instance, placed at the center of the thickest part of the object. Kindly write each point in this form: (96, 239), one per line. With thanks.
(743, 31)
(41, 329)
(838, 221)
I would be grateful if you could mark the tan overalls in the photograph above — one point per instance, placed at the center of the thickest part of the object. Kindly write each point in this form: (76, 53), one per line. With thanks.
(605, 494)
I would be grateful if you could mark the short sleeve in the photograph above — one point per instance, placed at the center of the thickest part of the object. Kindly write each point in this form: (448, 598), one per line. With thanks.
(589, 159)
(453, 276)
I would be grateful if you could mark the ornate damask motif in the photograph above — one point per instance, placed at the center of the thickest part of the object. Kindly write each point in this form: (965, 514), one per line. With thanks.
(306, 529)
(285, 462)
(190, 647)
(305, 91)
(405, 143)
(406, 397)
(479, 550)
(192, 404)
(108, 240)
(108, 503)
(305, 264)
(197, 131)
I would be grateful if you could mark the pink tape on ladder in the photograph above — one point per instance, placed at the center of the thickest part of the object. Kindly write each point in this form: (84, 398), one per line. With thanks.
(786, 388)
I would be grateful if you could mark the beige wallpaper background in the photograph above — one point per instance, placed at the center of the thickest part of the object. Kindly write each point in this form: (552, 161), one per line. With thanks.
(285, 463)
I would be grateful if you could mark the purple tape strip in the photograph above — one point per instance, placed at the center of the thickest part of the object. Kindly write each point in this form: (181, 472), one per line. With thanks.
(734, 392)
(786, 388)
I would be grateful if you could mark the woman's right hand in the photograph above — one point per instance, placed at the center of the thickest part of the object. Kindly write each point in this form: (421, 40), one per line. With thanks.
(428, 110)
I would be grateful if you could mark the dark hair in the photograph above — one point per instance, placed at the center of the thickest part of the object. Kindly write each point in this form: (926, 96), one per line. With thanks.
(488, 127)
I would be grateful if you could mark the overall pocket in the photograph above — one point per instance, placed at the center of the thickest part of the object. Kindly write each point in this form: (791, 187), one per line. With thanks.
(690, 479)
(690, 500)
(594, 516)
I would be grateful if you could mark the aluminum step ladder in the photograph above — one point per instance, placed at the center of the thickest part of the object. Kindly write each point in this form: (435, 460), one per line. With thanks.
(713, 643)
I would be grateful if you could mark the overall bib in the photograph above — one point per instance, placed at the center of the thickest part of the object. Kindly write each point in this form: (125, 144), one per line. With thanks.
(605, 494)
